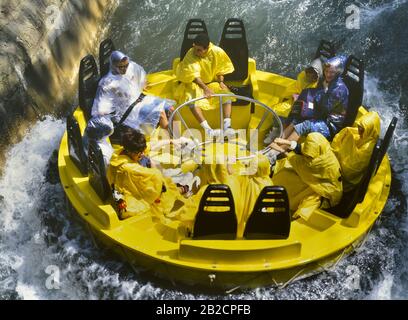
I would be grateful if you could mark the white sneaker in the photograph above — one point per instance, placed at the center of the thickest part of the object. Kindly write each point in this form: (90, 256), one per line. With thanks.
(212, 133)
(230, 133)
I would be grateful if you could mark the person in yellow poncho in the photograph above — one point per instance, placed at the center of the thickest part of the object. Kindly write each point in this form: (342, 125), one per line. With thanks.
(353, 147)
(144, 189)
(306, 79)
(251, 187)
(201, 73)
(311, 178)
(215, 173)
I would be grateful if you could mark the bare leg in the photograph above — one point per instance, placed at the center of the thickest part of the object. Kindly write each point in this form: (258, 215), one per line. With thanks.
(293, 136)
(198, 113)
(227, 110)
(164, 122)
(288, 131)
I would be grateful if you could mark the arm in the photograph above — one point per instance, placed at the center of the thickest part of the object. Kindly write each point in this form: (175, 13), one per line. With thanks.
(220, 79)
(207, 91)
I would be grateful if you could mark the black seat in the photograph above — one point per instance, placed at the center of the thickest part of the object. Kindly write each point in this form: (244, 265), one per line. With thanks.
(234, 43)
(353, 77)
(75, 145)
(352, 198)
(105, 50)
(193, 28)
(270, 218)
(88, 83)
(325, 50)
(216, 225)
(97, 172)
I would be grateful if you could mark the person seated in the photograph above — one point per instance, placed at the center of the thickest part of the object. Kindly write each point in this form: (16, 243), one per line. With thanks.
(99, 128)
(201, 73)
(308, 78)
(252, 185)
(312, 176)
(214, 173)
(123, 86)
(144, 189)
(325, 107)
(353, 147)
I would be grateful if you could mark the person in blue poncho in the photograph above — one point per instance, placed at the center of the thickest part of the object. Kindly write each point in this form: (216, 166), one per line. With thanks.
(322, 109)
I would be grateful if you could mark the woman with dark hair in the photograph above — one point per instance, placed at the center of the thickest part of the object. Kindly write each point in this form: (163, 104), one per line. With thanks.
(144, 188)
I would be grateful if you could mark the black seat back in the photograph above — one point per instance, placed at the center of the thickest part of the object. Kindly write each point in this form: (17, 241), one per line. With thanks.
(352, 198)
(270, 218)
(193, 28)
(75, 145)
(353, 77)
(234, 43)
(219, 225)
(105, 50)
(97, 172)
(386, 141)
(325, 50)
(88, 83)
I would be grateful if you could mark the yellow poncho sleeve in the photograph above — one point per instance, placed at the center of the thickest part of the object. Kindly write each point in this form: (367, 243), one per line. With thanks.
(319, 168)
(283, 108)
(354, 152)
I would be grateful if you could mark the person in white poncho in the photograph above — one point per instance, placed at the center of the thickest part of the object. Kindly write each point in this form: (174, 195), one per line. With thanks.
(120, 88)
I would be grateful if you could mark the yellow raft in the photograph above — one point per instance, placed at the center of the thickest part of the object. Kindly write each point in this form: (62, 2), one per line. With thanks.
(310, 246)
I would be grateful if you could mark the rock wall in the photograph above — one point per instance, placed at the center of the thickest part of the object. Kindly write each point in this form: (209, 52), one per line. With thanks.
(41, 44)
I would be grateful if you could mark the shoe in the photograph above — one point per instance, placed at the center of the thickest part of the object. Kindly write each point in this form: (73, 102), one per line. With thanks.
(211, 133)
(230, 133)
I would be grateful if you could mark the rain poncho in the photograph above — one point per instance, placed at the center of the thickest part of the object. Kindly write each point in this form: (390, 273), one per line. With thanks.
(116, 92)
(210, 174)
(216, 62)
(354, 152)
(283, 108)
(311, 175)
(144, 188)
(99, 128)
(251, 187)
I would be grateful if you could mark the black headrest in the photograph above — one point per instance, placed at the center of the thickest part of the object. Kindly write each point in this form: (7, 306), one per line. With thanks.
(325, 50)
(193, 28)
(87, 83)
(105, 50)
(234, 43)
(353, 76)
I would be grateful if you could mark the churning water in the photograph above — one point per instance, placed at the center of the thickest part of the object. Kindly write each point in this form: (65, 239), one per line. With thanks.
(38, 235)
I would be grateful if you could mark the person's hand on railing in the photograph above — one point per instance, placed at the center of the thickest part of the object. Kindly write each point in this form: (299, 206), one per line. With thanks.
(208, 93)
(223, 86)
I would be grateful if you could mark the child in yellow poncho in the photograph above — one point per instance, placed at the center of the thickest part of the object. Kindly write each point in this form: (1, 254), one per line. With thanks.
(353, 148)
(201, 73)
(312, 178)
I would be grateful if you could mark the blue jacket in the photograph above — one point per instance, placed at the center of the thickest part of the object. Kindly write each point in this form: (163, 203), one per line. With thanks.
(332, 104)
